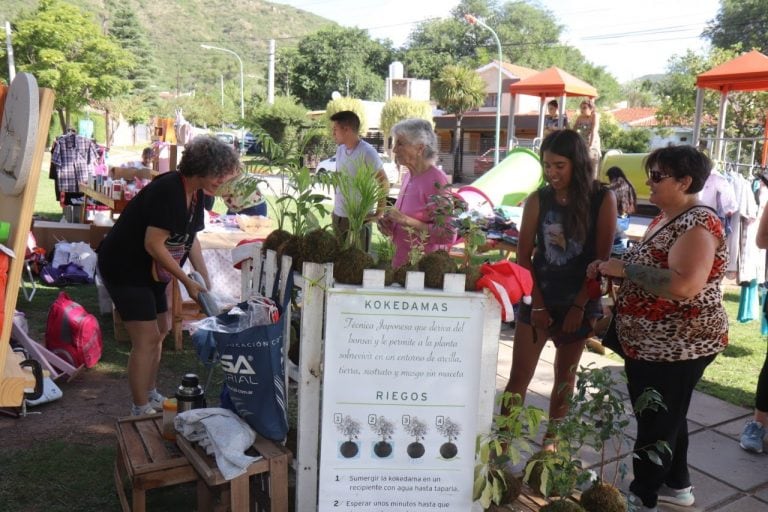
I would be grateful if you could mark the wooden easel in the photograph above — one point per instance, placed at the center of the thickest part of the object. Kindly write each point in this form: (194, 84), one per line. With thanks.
(17, 210)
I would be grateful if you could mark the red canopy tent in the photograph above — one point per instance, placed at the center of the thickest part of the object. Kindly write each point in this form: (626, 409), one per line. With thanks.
(552, 82)
(747, 72)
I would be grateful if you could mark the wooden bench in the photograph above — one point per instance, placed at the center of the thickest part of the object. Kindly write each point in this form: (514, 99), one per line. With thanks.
(147, 460)
(270, 474)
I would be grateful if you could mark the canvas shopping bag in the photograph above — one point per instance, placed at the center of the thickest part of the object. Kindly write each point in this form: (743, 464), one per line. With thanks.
(254, 376)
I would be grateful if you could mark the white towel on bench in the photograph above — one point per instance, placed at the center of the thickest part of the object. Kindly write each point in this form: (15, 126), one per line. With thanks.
(223, 434)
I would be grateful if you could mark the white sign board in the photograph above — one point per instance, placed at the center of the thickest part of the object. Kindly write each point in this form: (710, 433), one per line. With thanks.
(400, 397)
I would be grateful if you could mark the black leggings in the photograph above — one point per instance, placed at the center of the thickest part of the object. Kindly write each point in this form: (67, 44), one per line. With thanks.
(761, 395)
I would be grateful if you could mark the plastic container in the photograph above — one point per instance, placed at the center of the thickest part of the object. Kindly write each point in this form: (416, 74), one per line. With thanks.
(170, 407)
(190, 394)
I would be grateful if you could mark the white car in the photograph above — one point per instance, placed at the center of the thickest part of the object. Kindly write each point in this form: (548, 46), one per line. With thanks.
(391, 169)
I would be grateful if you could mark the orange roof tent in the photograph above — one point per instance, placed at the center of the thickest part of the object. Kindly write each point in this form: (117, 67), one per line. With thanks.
(552, 82)
(747, 72)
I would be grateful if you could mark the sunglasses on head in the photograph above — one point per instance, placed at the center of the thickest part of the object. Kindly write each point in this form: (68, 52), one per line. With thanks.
(657, 176)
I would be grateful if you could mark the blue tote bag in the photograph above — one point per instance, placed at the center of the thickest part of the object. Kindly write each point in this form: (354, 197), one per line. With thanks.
(254, 374)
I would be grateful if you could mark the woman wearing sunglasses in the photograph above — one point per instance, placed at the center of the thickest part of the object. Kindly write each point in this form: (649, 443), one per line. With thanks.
(669, 317)
(566, 224)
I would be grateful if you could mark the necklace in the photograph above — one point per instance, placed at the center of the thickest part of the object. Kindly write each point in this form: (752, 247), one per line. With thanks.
(562, 200)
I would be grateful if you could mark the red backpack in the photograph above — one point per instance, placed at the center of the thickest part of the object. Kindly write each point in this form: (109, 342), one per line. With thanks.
(72, 333)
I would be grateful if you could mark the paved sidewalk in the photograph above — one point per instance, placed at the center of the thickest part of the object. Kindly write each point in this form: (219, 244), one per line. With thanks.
(725, 477)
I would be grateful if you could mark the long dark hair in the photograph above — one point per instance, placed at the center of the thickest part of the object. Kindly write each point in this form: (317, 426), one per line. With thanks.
(569, 144)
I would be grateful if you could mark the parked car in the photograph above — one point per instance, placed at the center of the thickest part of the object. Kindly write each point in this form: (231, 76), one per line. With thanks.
(226, 138)
(485, 161)
(391, 169)
(327, 165)
(250, 144)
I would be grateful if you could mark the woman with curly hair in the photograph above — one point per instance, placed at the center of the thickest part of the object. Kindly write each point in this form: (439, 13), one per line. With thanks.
(670, 318)
(148, 246)
(566, 224)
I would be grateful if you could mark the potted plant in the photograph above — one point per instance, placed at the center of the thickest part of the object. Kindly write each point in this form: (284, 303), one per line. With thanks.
(597, 400)
(417, 429)
(362, 194)
(451, 431)
(509, 438)
(416, 239)
(384, 429)
(350, 429)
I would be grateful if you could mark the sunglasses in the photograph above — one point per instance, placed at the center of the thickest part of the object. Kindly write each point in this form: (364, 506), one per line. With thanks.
(657, 176)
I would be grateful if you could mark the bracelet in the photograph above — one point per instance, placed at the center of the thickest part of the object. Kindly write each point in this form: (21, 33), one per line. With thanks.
(538, 309)
(574, 305)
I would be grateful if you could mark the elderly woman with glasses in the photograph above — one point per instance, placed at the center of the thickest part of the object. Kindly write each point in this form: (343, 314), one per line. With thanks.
(413, 220)
(670, 318)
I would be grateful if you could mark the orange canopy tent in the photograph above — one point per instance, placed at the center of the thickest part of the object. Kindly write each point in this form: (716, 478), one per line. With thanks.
(747, 72)
(552, 82)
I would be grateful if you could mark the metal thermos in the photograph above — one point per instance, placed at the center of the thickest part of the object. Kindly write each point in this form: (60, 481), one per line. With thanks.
(190, 394)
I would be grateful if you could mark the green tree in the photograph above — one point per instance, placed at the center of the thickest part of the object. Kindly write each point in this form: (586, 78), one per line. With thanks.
(639, 93)
(529, 36)
(281, 120)
(631, 140)
(65, 50)
(353, 104)
(458, 89)
(743, 22)
(340, 59)
(677, 90)
(126, 30)
(399, 108)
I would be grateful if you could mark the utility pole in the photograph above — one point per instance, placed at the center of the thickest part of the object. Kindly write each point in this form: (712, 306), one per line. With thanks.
(271, 74)
(9, 52)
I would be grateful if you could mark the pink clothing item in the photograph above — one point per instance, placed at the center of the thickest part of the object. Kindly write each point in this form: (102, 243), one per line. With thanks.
(414, 201)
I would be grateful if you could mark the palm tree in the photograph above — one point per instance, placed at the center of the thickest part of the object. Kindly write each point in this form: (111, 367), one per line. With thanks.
(457, 90)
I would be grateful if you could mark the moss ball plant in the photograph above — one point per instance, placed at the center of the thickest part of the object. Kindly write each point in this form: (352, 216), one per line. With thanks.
(401, 271)
(291, 247)
(435, 265)
(603, 497)
(562, 506)
(472, 274)
(349, 266)
(275, 239)
(319, 246)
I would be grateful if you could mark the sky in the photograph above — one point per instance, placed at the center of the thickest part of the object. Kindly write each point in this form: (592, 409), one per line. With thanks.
(629, 38)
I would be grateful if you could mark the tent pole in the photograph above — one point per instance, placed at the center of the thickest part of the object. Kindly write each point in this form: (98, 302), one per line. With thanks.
(542, 109)
(721, 125)
(511, 138)
(697, 116)
(561, 114)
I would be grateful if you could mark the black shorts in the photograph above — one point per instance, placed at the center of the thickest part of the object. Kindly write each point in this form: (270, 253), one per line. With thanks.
(592, 311)
(138, 303)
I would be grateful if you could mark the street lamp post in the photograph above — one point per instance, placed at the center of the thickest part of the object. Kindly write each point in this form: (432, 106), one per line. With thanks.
(242, 100)
(474, 21)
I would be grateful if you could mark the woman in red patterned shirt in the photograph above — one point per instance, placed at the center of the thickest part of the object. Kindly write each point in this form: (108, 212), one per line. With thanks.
(670, 318)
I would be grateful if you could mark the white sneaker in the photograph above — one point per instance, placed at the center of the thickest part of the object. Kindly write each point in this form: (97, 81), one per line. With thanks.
(680, 497)
(142, 410)
(156, 400)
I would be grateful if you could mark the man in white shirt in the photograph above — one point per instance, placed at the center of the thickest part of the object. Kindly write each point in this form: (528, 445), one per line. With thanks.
(351, 150)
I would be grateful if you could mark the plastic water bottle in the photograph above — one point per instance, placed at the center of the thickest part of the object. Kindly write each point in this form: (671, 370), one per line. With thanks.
(190, 394)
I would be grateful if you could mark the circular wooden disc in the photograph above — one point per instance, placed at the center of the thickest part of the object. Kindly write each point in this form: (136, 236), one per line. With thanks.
(18, 133)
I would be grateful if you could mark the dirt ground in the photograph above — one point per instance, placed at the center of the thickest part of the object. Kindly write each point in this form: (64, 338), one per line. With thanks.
(85, 414)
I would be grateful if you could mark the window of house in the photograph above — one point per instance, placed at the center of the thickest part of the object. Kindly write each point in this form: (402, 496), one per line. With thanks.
(491, 99)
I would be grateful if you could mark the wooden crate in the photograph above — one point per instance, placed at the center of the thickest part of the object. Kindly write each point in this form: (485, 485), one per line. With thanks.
(146, 460)
(268, 475)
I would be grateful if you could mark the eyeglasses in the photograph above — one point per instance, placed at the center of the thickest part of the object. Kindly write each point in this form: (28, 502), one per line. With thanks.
(657, 176)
